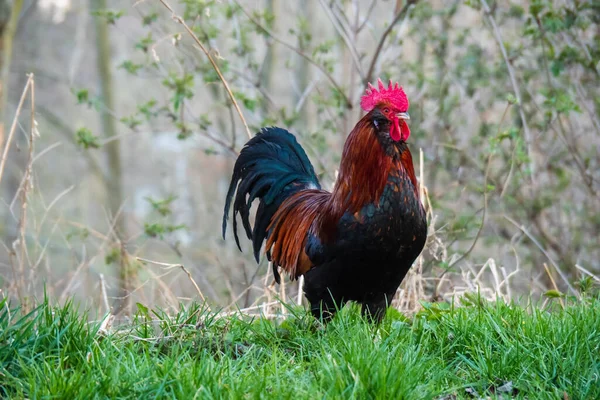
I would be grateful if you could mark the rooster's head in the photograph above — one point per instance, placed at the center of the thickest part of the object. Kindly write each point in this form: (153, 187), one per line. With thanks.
(389, 110)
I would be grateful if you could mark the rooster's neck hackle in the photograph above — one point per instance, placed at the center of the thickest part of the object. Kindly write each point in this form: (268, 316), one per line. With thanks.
(363, 174)
(364, 168)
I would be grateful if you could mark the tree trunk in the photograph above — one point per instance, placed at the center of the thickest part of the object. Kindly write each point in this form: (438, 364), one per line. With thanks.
(114, 186)
(9, 18)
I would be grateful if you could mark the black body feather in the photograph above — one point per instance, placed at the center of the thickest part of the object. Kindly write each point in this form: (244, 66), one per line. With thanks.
(371, 255)
(373, 249)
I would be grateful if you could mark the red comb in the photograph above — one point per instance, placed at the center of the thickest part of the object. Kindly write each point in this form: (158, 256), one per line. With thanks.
(393, 95)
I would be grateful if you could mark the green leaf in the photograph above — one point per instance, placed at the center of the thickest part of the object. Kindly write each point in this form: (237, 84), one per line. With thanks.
(159, 230)
(111, 16)
(85, 138)
(205, 122)
(181, 86)
(83, 96)
(145, 43)
(556, 67)
(149, 19)
(143, 310)
(132, 122)
(148, 109)
(112, 256)
(163, 207)
(130, 67)
(553, 294)
(511, 99)
(560, 101)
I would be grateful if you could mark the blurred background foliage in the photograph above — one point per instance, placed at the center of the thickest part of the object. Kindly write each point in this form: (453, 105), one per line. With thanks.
(136, 136)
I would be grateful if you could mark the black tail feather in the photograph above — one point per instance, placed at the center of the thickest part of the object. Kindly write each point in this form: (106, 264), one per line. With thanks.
(271, 167)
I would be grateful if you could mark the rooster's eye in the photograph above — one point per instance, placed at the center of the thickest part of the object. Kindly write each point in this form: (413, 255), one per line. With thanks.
(386, 110)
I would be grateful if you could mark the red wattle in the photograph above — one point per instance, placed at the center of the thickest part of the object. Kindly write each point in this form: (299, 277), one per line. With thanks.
(395, 130)
(405, 130)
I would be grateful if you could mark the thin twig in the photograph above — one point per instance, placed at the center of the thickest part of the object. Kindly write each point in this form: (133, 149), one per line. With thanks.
(53, 203)
(167, 293)
(282, 295)
(513, 81)
(300, 296)
(105, 239)
(194, 283)
(300, 53)
(240, 295)
(63, 128)
(251, 308)
(588, 108)
(367, 16)
(104, 295)
(106, 324)
(13, 127)
(71, 283)
(26, 186)
(267, 289)
(305, 95)
(539, 246)
(162, 264)
(180, 20)
(485, 201)
(167, 265)
(554, 284)
(419, 269)
(347, 40)
(384, 36)
(585, 271)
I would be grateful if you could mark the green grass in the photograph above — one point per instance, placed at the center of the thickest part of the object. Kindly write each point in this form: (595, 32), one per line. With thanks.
(488, 348)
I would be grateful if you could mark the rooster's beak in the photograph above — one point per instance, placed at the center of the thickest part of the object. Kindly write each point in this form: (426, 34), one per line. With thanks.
(403, 115)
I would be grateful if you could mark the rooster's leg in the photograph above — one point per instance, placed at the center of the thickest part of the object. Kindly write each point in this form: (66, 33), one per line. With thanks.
(325, 309)
(374, 310)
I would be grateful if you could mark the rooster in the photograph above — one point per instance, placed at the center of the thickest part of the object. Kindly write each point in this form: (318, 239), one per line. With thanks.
(355, 243)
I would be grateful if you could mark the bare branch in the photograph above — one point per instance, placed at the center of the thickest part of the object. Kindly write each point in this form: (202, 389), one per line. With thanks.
(300, 53)
(539, 246)
(485, 200)
(63, 128)
(384, 36)
(300, 296)
(513, 80)
(169, 266)
(180, 20)
(367, 16)
(347, 40)
(13, 127)
(585, 271)
(104, 295)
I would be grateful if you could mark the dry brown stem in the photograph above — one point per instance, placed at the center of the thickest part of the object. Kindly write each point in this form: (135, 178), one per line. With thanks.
(19, 270)
(13, 127)
(169, 266)
(539, 246)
